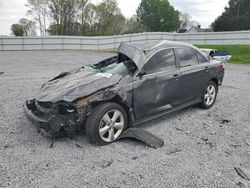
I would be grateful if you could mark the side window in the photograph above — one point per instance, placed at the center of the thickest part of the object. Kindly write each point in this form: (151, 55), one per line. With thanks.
(161, 61)
(201, 58)
(187, 57)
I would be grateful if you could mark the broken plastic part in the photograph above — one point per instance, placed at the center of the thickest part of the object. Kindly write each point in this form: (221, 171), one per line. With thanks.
(244, 173)
(143, 136)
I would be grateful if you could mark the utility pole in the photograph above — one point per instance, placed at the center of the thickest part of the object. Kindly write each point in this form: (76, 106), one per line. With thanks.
(238, 12)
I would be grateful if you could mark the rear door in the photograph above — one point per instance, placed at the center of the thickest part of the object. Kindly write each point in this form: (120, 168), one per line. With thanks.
(193, 68)
(159, 89)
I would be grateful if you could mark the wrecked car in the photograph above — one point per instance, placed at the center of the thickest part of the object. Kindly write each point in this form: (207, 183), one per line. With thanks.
(125, 90)
(223, 56)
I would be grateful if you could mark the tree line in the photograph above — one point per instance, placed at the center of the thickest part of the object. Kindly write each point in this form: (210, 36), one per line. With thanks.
(235, 17)
(81, 17)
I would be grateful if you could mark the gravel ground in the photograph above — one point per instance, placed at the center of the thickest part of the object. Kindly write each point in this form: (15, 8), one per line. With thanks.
(201, 150)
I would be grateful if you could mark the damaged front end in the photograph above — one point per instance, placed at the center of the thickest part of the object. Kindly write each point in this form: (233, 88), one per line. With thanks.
(56, 119)
(64, 118)
(65, 102)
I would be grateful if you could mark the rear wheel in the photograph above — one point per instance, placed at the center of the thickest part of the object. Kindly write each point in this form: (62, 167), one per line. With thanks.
(106, 123)
(209, 95)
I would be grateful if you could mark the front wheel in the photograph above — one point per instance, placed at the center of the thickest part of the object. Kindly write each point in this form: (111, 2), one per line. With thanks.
(209, 95)
(106, 123)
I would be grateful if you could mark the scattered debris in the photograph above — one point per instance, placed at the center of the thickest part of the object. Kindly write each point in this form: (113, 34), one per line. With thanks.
(240, 184)
(78, 145)
(106, 163)
(8, 146)
(247, 143)
(52, 144)
(224, 121)
(227, 152)
(205, 139)
(244, 173)
(135, 157)
(211, 145)
(143, 136)
(235, 145)
(212, 133)
(178, 129)
(173, 151)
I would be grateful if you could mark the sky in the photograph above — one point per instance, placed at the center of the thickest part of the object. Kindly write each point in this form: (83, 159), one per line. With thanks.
(202, 11)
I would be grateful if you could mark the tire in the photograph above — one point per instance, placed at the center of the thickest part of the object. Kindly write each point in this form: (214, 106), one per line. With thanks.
(106, 123)
(209, 95)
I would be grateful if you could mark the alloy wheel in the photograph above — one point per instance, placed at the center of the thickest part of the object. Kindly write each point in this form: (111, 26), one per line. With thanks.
(210, 95)
(111, 125)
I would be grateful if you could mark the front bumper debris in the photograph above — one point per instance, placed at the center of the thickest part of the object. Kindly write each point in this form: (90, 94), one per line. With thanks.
(56, 120)
(41, 122)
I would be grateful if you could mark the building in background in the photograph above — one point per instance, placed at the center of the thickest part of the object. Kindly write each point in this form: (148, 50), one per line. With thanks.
(198, 29)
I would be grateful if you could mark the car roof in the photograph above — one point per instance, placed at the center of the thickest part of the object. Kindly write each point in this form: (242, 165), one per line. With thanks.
(152, 48)
(140, 53)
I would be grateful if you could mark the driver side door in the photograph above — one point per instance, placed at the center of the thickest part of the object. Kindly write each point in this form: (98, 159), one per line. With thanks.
(159, 89)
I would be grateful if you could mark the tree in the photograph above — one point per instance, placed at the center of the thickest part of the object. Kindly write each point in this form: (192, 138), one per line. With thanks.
(64, 14)
(88, 19)
(24, 27)
(29, 26)
(39, 10)
(235, 17)
(133, 26)
(109, 18)
(185, 20)
(158, 15)
(104, 19)
(17, 30)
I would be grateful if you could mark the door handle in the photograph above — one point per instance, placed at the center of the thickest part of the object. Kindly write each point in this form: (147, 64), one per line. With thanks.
(206, 68)
(176, 77)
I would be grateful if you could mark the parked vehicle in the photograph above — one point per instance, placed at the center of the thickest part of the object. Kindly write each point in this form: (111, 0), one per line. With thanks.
(223, 56)
(130, 88)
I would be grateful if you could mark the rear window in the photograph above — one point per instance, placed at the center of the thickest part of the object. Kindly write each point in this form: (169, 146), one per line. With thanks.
(187, 57)
(201, 58)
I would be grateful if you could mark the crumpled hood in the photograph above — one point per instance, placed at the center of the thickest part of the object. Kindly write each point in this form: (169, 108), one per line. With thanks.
(73, 85)
(134, 53)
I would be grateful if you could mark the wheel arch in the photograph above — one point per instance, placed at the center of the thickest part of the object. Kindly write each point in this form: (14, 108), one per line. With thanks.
(215, 80)
(118, 100)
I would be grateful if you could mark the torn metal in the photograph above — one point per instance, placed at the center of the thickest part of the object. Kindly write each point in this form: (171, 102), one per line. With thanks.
(143, 136)
(135, 54)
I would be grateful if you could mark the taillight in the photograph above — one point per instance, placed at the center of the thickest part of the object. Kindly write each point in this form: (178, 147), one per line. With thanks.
(222, 66)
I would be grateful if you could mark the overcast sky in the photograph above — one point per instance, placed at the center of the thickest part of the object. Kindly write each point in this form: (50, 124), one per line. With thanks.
(203, 11)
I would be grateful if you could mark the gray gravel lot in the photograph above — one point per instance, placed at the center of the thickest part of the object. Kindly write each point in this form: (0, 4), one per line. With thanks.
(208, 149)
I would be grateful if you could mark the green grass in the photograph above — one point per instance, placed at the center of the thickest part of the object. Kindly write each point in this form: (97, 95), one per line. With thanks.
(240, 53)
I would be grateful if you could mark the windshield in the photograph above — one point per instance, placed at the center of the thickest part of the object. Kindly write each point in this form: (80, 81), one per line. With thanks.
(125, 68)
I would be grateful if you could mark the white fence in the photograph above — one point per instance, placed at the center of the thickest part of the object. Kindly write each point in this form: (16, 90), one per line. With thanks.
(112, 42)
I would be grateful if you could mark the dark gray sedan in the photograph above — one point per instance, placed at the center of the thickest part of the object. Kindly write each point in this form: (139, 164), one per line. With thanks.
(136, 85)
